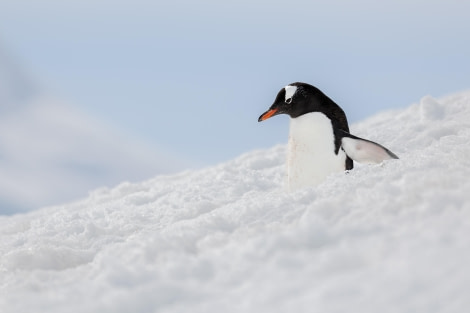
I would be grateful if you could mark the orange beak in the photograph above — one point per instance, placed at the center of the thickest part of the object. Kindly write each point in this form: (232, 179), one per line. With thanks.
(267, 115)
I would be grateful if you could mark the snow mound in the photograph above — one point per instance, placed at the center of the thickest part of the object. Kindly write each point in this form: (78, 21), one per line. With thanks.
(386, 238)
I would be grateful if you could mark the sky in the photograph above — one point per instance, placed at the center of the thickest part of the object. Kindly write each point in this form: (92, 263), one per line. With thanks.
(193, 77)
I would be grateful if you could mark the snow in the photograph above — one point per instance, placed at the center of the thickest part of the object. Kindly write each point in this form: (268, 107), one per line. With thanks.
(383, 238)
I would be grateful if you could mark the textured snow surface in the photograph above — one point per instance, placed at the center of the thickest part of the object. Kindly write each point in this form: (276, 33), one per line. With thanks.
(393, 237)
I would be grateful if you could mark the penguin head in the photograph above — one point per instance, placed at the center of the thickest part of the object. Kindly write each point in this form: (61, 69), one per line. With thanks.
(295, 100)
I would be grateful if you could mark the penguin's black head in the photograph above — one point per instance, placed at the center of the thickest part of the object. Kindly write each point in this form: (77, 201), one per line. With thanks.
(297, 99)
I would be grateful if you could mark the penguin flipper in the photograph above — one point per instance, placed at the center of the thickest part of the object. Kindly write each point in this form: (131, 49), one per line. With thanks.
(365, 151)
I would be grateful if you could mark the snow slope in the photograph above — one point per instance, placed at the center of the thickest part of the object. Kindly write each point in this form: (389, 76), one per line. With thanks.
(387, 238)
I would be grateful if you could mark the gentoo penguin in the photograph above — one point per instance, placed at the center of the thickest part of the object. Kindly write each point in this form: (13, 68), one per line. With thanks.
(319, 139)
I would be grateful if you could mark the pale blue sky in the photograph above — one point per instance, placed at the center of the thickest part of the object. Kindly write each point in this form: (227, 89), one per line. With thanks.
(193, 76)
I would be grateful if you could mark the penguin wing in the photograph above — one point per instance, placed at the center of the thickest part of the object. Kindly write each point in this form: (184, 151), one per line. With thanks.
(363, 150)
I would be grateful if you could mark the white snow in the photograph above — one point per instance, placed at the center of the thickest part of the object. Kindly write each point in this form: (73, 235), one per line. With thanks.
(384, 238)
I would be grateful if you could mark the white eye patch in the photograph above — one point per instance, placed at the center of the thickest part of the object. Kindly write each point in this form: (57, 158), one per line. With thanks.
(290, 91)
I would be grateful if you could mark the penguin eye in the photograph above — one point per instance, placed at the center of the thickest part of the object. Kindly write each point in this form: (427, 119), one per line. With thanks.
(288, 100)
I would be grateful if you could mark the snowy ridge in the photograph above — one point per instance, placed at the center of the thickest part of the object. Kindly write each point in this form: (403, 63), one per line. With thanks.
(385, 238)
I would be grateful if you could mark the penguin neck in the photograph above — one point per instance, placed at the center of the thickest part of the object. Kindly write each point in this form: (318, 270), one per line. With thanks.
(311, 151)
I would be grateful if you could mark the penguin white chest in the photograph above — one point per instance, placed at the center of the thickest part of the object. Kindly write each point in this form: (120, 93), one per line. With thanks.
(311, 153)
